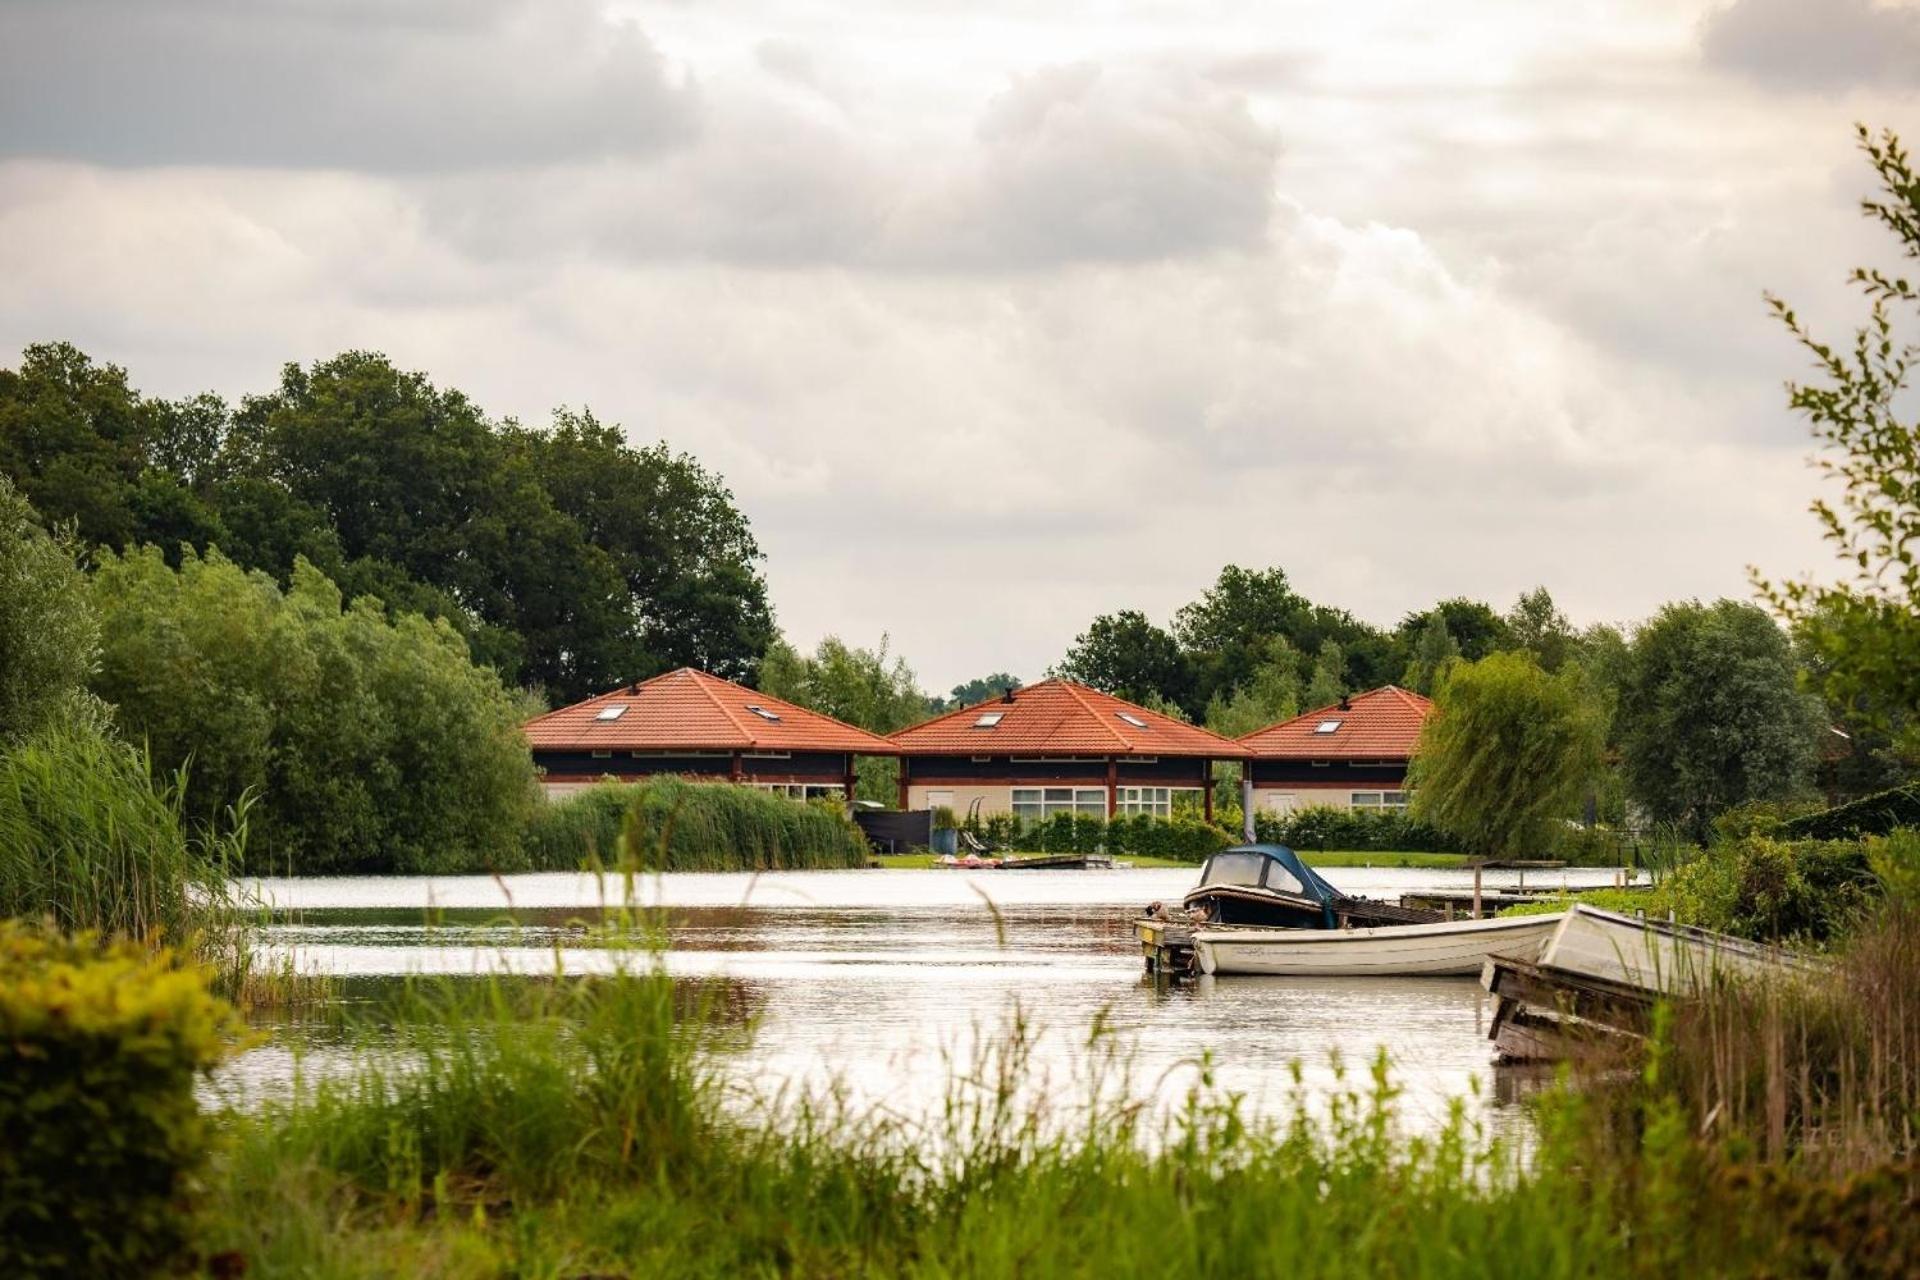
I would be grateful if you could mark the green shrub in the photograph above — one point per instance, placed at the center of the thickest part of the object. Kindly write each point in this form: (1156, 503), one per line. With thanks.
(374, 744)
(1596, 847)
(101, 1138)
(672, 824)
(1768, 890)
(1773, 889)
(1320, 827)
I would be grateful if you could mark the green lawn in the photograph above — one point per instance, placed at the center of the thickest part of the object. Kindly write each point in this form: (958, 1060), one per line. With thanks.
(1331, 858)
(1381, 858)
(926, 861)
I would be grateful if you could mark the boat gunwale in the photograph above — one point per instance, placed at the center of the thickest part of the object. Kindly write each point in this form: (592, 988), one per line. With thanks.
(1240, 934)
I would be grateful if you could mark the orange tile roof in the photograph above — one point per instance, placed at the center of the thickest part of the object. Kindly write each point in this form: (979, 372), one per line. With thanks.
(691, 710)
(1059, 717)
(1380, 724)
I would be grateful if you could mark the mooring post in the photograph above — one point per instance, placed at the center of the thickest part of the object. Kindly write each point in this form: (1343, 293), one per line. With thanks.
(1476, 891)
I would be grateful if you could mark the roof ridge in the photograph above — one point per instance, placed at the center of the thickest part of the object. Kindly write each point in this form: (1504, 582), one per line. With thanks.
(1073, 691)
(720, 706)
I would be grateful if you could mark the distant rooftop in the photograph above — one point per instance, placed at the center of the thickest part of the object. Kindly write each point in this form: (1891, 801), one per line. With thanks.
(1380, 724)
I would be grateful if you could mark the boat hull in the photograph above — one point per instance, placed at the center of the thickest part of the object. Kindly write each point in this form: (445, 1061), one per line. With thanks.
(1452, 948)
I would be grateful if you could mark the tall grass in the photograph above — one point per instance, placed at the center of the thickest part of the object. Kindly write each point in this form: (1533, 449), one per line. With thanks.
(582, 1129)
(692, 826)
(1824, 1072)
(90, 839)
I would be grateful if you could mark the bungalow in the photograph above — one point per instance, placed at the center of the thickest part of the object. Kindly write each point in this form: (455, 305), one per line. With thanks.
(1057, 747)
(1353, 754)
(699, 726)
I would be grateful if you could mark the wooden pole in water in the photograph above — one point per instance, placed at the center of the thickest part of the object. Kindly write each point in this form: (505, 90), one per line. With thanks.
(1476, 891)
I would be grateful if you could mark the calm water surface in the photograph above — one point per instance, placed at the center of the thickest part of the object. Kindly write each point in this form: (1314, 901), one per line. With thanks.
(883, 982)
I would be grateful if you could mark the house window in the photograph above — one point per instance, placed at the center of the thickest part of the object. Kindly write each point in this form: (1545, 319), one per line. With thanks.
(802, 790)
(611, 713)
(768, 755)
(1035, 803)
(1159, 802)
(1393, 801)
(603, 755)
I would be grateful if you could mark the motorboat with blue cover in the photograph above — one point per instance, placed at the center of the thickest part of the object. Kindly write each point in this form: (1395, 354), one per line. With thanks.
(1268, 885)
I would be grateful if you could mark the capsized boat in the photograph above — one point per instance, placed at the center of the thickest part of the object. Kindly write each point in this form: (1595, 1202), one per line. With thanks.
(1446, 947)
(1269, 885)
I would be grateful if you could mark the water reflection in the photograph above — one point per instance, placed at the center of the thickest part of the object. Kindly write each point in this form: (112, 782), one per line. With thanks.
(881, 982)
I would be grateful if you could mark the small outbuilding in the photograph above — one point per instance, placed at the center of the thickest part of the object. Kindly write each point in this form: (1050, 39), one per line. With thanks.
(695, 725)
(1059, 747)
(1353, 754)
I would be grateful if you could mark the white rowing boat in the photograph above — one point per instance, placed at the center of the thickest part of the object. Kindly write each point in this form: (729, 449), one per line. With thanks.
(1449, 947)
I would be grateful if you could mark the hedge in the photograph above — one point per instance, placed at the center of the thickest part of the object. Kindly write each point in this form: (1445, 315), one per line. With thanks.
(101, 1138)
(671, 824)
(1875, 815)
(1356, 830)
(1182, 838)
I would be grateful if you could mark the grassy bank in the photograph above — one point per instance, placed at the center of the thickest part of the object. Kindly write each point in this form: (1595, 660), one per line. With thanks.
(602, 1127)
(580, 1128)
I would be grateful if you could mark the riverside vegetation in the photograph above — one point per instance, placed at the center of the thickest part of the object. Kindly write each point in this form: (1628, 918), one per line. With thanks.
(575, 1127)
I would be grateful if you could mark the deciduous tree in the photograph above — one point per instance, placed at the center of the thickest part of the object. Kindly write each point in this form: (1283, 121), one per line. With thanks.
(373, 743)
(48, 636)
(1711, 715)
(1866, 626)
(1127, 656)
(1509, 752)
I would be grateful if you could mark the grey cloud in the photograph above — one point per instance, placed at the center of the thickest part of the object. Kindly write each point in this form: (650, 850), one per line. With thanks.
(1081, 163)
(1835, 44)
(1070, 165)
(431, 85)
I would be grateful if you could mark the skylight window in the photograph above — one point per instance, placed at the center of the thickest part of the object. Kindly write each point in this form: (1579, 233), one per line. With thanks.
(1327, 726)
(990, 719)
(1132, 719)
(763, 713)
(613, 712)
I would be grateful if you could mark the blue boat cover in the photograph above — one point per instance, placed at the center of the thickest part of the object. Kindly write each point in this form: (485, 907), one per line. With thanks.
(1316, 885)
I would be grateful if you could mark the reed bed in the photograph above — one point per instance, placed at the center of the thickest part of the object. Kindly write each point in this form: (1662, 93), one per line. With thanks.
(692, 826)
(90, 840)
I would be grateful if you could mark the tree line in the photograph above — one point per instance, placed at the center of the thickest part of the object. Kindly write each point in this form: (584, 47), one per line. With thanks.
(567, 559)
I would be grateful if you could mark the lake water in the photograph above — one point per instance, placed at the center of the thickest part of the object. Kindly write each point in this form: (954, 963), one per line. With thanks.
(882, 982)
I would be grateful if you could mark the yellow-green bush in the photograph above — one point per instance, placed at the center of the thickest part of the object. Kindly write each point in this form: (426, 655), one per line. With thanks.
(101, 1139)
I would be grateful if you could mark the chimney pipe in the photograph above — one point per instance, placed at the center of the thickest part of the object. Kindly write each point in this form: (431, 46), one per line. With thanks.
(1346, 703)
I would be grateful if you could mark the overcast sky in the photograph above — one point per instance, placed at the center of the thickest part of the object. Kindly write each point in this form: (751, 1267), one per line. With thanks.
(994, 321)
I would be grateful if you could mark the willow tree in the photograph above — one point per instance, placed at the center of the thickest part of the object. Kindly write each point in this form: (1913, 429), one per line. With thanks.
(1508, 752)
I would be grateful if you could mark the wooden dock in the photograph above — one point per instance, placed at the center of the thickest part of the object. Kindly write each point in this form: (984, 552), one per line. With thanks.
(1060, 862)
(1167, 946)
